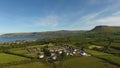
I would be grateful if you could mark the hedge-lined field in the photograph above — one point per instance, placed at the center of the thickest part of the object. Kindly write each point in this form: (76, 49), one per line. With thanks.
(30, 65)
(108, 57)
(84, 62)
(8, 58)
(24, 51)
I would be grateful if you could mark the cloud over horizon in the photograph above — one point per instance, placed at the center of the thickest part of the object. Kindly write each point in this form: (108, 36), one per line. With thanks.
(50, 20)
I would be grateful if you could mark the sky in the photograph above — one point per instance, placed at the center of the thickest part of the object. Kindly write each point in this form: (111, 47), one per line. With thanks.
(52, 15)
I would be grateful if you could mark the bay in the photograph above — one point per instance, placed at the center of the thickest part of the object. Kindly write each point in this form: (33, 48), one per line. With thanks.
(10, 39)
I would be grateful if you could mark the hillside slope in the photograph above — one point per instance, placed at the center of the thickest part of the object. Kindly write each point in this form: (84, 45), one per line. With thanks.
(106, 29)
(97, 29)
(49, 33)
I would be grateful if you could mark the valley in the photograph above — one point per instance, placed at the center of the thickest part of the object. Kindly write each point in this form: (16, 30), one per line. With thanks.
(97, 48)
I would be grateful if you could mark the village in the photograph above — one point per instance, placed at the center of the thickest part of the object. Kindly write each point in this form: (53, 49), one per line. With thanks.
(57, 52)
(53, 53)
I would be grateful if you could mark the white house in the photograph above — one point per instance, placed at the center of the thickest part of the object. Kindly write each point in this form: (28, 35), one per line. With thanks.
(54, 57)
(52, 54)
(60, 52)
(67, 54)
(74, 52)
(85, 54)
(41, 56)
(71, 54)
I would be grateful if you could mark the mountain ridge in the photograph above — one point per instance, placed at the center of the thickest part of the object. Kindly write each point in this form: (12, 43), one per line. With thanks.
(60, 32)
(101, 29)
(106, 29)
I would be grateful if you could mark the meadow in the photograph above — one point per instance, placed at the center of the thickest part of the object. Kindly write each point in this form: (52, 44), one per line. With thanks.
(8, 58)
(94, 61)
(24, 50)
(109, 57)
(84, 62)
(29, 65)
(102, 46)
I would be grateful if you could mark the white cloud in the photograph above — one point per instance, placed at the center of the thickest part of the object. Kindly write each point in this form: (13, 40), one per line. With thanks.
(117, 13)
(92, 20)
(91, 16)
(111, 20)
(50, 20)
(86, 20)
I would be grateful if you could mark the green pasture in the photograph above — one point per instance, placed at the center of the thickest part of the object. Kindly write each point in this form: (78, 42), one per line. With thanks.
(23, 51)
(8, 58)
(109, 57)
(84, 62)
(30, 65)
(116, 45)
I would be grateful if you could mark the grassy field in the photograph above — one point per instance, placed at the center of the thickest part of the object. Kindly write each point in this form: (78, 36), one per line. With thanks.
(106, 56)
(23, 51)
(72, 62)
(18, 50)
(8, 58)
(116, 45)
(114, 51)
(114, 48)
(29, 65)
(84, 62)
(94, 46)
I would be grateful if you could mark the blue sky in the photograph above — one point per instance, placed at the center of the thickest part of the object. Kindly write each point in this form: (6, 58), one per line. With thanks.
(52, 15)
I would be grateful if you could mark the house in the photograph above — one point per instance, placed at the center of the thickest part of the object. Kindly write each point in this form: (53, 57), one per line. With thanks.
(60, 52)
(74, 52)
(51, 50)
(54, 57)
(41, 55)
(67, 54)
(52, 54)
(84, 54)
(71, 54)
(50, 60)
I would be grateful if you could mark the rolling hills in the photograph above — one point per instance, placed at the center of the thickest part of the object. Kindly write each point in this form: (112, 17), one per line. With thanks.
(106, 29)
(48, 33)
(97, 29)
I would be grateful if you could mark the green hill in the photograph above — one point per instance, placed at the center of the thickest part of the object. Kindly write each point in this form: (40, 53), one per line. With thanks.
(47, 33)
(101, 29)
(106, 29)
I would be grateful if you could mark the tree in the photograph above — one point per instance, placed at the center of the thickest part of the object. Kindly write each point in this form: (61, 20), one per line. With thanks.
(46, 52)
(63, 55)
(110, 41)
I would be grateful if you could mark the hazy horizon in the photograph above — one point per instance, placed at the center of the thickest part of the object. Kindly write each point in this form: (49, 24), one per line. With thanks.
(44, 31)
